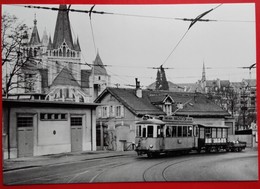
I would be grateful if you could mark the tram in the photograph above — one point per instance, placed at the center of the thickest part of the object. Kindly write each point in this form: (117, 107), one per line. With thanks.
(169, 134)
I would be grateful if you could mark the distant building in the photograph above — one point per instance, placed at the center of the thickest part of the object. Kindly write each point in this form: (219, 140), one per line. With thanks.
(172, 87)
(122, 107)
(54, 66)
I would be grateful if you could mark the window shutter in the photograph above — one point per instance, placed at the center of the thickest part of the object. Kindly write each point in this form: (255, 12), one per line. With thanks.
(107, 114)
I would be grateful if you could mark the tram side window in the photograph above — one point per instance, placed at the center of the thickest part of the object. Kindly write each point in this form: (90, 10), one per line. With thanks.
(174, 131)
(208, 132)
(225, 131)
(219, 133)
(158, 131)
(189, 131)
(185, 131)
(214, 132)
(150, 131)
(179, 131)
(169, 131)
(144, 132)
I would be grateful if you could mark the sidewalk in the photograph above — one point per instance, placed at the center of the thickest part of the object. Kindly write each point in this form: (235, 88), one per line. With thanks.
(56, 159)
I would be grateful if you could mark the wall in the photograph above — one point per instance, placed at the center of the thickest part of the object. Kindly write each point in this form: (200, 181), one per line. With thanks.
(44, 139)
(120, 130)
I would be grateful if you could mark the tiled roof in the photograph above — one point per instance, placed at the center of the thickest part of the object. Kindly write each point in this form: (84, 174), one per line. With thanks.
(194, 104)
(65, 78)
(158, 98)
(191, 87)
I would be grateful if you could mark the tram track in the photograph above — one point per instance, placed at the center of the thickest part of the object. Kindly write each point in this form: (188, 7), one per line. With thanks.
(163, 172)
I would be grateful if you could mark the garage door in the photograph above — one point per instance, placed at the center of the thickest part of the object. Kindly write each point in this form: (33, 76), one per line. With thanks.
(76, 134)
(25, 136)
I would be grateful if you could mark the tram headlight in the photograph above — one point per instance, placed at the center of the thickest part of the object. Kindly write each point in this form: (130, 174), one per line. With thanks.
(151, 146)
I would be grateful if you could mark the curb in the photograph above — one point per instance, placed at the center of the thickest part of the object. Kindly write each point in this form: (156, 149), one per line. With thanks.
(61, 163)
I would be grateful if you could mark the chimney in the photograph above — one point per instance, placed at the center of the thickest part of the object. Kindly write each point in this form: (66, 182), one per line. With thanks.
(138, 90)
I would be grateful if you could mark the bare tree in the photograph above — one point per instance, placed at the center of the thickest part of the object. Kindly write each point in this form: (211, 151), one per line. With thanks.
(14, 54)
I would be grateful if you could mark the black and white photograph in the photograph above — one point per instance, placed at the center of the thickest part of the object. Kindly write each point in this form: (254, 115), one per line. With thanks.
(109, 93)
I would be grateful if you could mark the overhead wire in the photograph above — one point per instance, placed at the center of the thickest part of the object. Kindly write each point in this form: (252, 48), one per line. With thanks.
(193, 21)
(101, 12)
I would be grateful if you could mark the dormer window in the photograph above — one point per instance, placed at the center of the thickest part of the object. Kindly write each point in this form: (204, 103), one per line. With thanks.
(167, 108)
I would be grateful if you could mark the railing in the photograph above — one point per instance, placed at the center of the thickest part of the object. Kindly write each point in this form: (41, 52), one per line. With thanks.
(129, 146)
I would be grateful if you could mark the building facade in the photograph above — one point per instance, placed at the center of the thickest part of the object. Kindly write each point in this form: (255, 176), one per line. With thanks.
(33, 128)
(121, 108)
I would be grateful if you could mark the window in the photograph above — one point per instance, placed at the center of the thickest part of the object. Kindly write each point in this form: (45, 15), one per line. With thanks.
(119, 111)
(168, 109)
(111, 111)
(76, 121)
(150, 131)
(53, 116)
(208, 132)
(179, 131)
(159, 131)
(185, 131)
(24, 121)
(144, 132)
(189, 131)
(138, 131)
(169, 131)
(174, 131)
(214, 132)
(104, 111)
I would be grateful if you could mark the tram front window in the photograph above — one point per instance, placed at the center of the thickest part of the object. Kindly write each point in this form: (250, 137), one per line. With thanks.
(150, 131)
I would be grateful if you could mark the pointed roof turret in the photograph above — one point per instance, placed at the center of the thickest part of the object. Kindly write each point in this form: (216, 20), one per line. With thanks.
(77, 46)
(45, 39)
(35, 39)
(99, 68)
(50, 46)
(62, 30)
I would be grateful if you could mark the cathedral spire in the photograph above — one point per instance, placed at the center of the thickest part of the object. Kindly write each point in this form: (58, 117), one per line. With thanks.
(35, 39)
(62, 30)
(203, 73)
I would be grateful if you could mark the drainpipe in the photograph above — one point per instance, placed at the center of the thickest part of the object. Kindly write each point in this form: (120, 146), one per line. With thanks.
(91, 125)
(8, 132)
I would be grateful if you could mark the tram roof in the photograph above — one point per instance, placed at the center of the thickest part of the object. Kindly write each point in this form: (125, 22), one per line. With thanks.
(213, 126)
(151, 121)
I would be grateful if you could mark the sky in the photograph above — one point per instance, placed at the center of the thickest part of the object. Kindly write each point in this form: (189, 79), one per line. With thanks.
(137, 37)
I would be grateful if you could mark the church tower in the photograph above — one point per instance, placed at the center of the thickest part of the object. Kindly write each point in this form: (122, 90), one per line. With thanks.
(101, 77)
(58, 73)
(203, 79)
(63, 60)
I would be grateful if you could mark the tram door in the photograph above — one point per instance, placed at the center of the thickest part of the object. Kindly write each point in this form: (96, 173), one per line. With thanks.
(195, 134)
(160, 136)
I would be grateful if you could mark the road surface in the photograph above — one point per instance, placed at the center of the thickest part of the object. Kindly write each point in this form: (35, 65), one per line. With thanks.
(232, 166)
